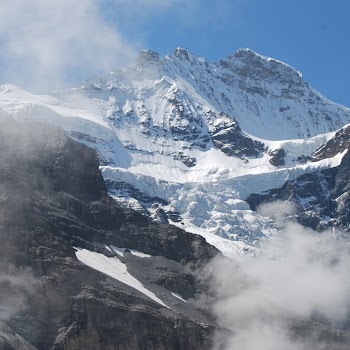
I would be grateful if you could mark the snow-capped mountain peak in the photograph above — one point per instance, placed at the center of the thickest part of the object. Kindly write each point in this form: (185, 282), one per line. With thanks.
(186, 141)
(269, 99)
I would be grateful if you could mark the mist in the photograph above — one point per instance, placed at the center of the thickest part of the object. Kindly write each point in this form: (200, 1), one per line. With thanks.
(17, 287)
(18, 283)
(295, 289)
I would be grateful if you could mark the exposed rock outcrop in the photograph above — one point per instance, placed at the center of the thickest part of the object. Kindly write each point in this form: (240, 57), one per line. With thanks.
(321, 198)
(229, 138)
(52, 198)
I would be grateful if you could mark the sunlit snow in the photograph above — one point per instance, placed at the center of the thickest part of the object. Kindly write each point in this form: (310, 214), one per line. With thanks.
(122, 251)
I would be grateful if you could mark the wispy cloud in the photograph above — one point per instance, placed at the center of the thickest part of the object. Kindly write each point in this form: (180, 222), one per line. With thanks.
(16, 286)
(47, 44)
(53, 44)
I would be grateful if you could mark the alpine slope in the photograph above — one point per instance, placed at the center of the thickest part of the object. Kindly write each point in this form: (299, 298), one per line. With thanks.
(186, 141)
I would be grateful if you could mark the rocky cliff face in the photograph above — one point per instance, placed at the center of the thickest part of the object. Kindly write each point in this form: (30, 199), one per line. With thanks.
(321, 198)
(50, 204)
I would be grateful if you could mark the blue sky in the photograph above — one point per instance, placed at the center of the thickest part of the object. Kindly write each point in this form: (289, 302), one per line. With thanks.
(46, 45)
(311, 35)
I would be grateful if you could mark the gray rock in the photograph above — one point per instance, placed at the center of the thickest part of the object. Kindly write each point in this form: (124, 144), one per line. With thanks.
(53, 198)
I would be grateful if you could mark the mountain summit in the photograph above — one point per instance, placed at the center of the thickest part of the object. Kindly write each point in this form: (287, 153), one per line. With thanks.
(186, 141)
(269, 99)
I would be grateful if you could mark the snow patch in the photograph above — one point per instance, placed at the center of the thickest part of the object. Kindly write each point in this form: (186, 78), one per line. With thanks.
(121, 252)
(114, 268)
(178, 296)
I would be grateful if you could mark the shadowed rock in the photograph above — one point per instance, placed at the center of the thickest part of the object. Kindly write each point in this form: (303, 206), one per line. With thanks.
(53, 197)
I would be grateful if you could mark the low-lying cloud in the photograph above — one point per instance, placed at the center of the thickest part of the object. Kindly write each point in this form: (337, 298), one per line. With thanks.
(298, 276)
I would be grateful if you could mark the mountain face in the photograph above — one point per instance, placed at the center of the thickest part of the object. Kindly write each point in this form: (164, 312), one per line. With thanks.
(321, 198)
(267, 98)
(79, 272)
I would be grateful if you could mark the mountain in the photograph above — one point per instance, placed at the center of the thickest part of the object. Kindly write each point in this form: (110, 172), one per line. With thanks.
(116, 195)
(186, 141)
(79, 272)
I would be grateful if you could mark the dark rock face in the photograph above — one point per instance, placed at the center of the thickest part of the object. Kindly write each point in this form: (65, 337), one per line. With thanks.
(277, 157)
(310, 193)
(125, 190)
(338, 143)
(228, 137)
(183, 126)
(52, 197)
(321, 198)
(45, 159)
(143, 204)
(11, 341)
(184, 158)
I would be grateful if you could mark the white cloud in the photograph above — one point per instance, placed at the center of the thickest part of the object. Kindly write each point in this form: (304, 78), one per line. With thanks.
(299, 274)
(53, 44)
(47, 44)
